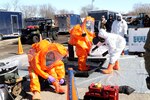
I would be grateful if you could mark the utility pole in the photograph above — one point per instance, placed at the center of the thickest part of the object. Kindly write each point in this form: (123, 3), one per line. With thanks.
(92, 4)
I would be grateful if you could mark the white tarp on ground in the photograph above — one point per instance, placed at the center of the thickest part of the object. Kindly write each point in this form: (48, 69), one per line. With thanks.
(132, 73)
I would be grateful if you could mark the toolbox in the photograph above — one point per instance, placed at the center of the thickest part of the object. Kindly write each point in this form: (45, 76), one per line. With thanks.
(105, 92)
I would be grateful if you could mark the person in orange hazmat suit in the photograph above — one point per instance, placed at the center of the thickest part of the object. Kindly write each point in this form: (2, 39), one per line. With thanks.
(45, 61)
(81, 37)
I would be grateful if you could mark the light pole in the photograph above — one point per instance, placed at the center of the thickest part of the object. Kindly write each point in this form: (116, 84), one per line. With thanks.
(92, 4)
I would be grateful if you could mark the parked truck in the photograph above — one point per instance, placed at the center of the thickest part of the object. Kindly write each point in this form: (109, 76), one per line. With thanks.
(137, 35)
(97, 14)
(10, 23)
(66, 21)
(137, 39)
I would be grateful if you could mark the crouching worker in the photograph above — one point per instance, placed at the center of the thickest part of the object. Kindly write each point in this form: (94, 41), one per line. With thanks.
(45, 62)
(81, 37)
(116, 44)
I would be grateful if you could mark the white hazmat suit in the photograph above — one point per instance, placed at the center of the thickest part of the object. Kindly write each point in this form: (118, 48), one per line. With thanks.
(119, 26)
(116, 44)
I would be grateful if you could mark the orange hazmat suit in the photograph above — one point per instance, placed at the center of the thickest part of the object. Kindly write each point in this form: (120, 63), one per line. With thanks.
(81, 37)
(39, 59)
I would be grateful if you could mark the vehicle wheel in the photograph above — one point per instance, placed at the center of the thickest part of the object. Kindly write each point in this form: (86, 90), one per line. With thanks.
(141, 54)
(1, 37)
(35, 39)
(23, 40)
(54, 35)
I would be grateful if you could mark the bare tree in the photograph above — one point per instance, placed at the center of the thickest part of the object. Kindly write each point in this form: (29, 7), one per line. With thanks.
(28, 11)
(63, 11)
(15, 5)
(84, 10)
(140, 8)
(46, 11)
(7, 6)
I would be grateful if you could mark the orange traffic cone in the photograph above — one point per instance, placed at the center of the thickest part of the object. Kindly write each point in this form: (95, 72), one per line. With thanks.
(40, 37)
(20, 49)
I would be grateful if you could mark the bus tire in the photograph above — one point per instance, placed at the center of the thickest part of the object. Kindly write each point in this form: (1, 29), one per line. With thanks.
(35, 38)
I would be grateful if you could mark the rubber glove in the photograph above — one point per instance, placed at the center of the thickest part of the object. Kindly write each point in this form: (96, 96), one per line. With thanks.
(61, 81)
(51, 79)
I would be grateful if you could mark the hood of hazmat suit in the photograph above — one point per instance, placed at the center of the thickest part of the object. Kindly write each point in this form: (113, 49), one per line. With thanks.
(119, 17)
(103, 34)
(45, 55)
(88, 26)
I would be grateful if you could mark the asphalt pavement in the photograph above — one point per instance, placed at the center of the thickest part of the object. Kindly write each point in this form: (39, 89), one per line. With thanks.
(8, 41)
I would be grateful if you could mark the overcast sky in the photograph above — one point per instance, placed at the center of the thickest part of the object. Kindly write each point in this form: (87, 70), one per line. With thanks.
(76, 5)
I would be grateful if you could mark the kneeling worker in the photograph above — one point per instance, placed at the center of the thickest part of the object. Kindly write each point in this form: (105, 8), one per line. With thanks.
(45, 62)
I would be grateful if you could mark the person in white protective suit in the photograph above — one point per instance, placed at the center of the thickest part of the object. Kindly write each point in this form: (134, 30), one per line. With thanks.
(116, 44)
(119, 26)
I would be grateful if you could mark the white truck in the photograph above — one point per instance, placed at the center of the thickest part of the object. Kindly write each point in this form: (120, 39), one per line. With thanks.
(137, 34)
(137, 39)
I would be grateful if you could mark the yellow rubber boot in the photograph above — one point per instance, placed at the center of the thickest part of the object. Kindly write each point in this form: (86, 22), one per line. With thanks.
(109, 69)
(116, 66)
(36, 96)
(58, 88)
